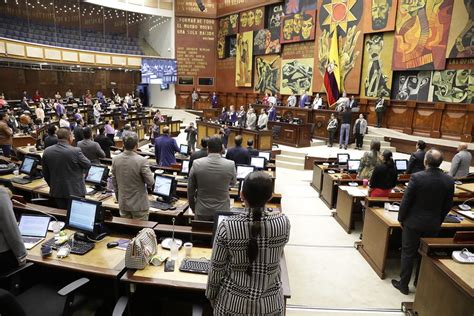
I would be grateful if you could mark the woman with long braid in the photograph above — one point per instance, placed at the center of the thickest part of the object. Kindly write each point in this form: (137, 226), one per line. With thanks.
(244, 276)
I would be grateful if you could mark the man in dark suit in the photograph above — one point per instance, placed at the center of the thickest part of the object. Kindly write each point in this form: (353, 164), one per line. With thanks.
(252, 151)
(64, 167)
(90, 148)
(165, 148)
(209, 181)
(51, 139)
(78, 131)
(104, 142)
(417, 159)
(426, 202)
(238, 154)
(200, 153)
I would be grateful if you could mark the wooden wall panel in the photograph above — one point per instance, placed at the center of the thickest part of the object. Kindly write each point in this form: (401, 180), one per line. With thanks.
(14, 81)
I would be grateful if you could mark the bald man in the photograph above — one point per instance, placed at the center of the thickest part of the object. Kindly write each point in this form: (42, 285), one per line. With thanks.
(426, 202)
(461, 162)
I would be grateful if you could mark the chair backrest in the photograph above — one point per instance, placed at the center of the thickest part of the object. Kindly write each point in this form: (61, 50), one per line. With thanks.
(9, 306)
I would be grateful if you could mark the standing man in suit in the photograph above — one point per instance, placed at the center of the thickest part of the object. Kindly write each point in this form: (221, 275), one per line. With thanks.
(379, 110)
(238, 154)
(90, 148)
(52, 138)
(131, 176)
(252, 151)
(64, 168)
(251, 122)
(209, 180)
(461, 162)
(104, 141)
(417, 159)
(426, 202)
(191, 135)
(200, 153)
(165, 148)
(353, 105)
(303, 100)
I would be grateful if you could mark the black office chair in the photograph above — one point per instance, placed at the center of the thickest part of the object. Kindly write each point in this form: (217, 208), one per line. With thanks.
(276, 134)
(42, 299)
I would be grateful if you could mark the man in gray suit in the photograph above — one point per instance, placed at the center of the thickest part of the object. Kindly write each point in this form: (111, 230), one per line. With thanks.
(209, 180)
(64, 168)
(461, 162)
(130, 173)
(90, 148)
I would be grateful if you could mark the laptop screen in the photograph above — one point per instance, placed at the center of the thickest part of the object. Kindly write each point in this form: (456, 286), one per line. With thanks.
(265, 155)
(27, 165)
(185, 167)
(95, 174)
(243, 171)
(402, 164)
(342, 158)
(257, 162)
(183, 149)
(353, 165)
(34, 226)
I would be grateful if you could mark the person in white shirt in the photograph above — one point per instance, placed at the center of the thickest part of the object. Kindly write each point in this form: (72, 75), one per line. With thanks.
(97, 109)
(39, 111)
(272, 100)
(127, 99)
(292, 100)
(342, 103)
(69, 94)
(251, 122)
(262, 120)
(112, 105)
(317, 102)
(118, 99)
(63, 122)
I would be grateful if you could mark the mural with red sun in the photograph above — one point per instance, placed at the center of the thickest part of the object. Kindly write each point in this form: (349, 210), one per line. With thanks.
(345, 18)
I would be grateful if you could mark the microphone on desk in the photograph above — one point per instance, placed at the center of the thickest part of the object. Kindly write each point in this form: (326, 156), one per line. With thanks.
(464, 206)
(56, 227)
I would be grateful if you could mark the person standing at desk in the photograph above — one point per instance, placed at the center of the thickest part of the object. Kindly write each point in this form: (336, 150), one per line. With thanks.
(209, 181)
(262, 120)
(165, 148)
(353, 105)
(232, 116)
(291, 100)
(272, 113)
(64, 167)
(131, 175)
(6, 135)
(39, 111)
(24, 105)
(247, 280)
(104, 142)
(251, 119)
(89, 148)
(223, 116)
(238, 154)
(369, 161)
(272, 100)
(12, 250)
(200, 153)
(51, 139)
(241, 117)
(303, 100)
(461, 162)
(332, 127)
(194, 97)
(427, 200)
(379, 110)
(417, 159)
(252, 151)
(78, 131)
(317, 102)
(345, 127)
(384, 177)
(214, 101)
(191, 137)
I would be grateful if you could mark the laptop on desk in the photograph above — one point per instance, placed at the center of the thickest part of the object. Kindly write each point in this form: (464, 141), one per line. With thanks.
(33, 229)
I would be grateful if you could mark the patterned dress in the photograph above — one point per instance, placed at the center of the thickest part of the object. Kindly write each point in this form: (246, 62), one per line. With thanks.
(229, 287)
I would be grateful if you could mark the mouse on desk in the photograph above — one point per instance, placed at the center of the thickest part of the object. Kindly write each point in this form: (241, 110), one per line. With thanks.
(112, 244)
(172, 208)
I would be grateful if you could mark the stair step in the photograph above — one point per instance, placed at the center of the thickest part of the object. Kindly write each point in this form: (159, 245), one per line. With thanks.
(318, 142)
(289, 165)
(373, 136)
(286, 158)
(382, 148)
(293, 154)
(382, 143)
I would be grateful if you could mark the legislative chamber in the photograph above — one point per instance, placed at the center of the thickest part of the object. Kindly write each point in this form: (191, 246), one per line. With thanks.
(217, 157)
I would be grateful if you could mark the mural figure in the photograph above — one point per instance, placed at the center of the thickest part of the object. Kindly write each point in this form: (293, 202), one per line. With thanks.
(298, 27)
(243, 68)
(267, 74)
(297, 76)
(451, 86)
(464, 43)
(376, 82)
(380, 10)
(412, 86)
(274, 16)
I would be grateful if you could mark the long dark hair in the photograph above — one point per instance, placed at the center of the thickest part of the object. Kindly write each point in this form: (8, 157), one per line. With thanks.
(257, 190)
(387, 158)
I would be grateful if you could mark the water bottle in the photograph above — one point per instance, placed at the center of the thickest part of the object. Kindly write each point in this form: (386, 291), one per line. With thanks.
(173, 246)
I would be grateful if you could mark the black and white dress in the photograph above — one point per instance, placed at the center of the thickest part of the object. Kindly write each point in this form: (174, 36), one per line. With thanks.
(233, 291)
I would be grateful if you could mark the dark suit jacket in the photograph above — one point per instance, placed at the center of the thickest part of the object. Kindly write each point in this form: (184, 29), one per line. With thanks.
(252, 152)
(64, 168)
(78, 133)
(427, 200)
(50, 141)
(104, 143)
(239, 155)
(416, 162)
(196, 155)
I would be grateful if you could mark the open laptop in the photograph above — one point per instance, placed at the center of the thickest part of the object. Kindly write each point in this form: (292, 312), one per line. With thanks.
(33, 229)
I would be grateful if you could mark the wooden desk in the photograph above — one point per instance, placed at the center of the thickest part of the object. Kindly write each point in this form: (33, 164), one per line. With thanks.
(348, 204)
(23, 140)
(156, 276)
(29, 187)
(443, 275)
(304, 114)
(294, 135)
(100, 261)
(262, 139)
(468, 187)
(379, 226)
(330, 183)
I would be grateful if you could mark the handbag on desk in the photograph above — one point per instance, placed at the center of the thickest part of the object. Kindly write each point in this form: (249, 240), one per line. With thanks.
(141, 249)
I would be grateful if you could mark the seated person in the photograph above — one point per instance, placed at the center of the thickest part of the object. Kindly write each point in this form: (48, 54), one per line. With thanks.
(384, 177)
(12, 249)
(369, 160)
(238, 154)
(244, 274)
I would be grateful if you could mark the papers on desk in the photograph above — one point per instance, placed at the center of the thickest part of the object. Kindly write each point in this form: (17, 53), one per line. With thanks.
(468, 214)
(354, 191)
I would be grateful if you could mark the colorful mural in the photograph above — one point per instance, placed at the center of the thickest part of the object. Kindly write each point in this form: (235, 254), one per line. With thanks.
(267, 74)
(297, 27)
(296, 76)
(266, 41)
(243, 61)
(461, 32)
(252, 20)
(381, 17)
